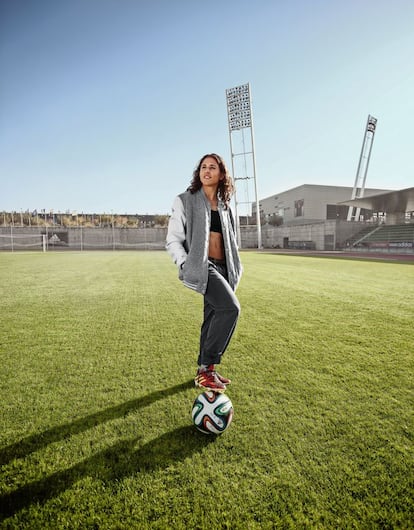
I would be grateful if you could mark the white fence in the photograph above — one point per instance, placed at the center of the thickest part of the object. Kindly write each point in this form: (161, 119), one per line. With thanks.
(60, 238)
(325, 235)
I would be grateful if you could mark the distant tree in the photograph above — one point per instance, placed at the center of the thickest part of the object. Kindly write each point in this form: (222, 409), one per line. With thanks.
(161, 220)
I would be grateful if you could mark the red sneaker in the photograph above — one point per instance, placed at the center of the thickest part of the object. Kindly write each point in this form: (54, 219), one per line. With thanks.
(209, 380)
(224, 380)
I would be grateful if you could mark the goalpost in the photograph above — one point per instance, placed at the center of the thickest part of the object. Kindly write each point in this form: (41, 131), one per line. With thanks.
(23, 241)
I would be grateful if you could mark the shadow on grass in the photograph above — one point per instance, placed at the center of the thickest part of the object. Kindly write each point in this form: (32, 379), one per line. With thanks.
(115, 463)
(33, 443)
(119, 460)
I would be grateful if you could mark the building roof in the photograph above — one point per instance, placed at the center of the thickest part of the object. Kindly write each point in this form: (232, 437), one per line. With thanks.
(323, 187)
(392, 202)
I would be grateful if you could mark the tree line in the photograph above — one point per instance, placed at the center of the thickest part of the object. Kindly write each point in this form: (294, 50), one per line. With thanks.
(85, 220)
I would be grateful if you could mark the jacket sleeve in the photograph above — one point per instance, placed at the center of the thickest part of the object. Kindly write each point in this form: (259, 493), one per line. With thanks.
(176, 235)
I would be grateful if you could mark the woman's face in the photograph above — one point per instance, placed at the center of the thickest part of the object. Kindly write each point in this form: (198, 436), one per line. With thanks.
(210, 172)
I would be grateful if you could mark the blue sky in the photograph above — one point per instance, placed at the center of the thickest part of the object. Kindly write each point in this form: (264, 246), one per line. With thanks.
(107, 105)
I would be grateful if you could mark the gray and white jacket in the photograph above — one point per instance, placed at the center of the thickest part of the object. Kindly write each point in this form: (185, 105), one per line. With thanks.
(188, 238)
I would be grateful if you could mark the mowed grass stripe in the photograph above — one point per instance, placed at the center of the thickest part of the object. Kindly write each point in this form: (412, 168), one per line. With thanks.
(98, 351)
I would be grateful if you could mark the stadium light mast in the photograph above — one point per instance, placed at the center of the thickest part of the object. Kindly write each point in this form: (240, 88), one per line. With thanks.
(243, 160)
(361, 175)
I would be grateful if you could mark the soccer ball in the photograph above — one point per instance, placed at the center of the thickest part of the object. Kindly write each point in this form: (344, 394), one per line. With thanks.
(212, 412)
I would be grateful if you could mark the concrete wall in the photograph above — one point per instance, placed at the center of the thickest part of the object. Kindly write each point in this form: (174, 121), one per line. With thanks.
(325, 235)
(60, 238)
(322, 235)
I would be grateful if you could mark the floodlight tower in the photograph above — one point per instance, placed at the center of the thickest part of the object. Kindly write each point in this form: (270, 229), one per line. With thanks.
(361, 175)
(243, 161)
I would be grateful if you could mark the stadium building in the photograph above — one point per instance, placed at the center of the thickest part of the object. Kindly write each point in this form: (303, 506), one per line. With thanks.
(310, 203)
(314, 217)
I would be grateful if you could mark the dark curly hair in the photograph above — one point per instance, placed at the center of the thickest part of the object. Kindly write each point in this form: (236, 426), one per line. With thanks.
(225, 188)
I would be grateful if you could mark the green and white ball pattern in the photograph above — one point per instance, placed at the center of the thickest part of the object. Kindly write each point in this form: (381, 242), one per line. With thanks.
(212, 412)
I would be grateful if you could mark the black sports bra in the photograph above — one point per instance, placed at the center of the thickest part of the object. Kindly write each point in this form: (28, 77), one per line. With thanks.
(215, 224)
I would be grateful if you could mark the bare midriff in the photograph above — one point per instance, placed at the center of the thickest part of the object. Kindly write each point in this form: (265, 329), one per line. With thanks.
(215, 246)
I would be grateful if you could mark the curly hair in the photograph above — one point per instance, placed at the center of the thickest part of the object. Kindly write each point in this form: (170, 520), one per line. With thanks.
(225, 188)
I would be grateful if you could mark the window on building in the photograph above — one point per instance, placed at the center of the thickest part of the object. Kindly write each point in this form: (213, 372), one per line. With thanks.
(336, 211)
(299, 210)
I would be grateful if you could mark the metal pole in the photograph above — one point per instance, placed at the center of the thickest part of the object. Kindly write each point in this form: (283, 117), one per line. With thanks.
(239, 115)
(369, 128)
(259, 227)
(113, 232)
(362, 191)
(236, 214)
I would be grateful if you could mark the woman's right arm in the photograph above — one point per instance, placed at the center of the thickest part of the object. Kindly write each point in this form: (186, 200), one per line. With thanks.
(176, 233)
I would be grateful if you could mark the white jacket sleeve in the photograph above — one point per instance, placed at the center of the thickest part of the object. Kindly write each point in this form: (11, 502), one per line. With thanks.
(176, 233)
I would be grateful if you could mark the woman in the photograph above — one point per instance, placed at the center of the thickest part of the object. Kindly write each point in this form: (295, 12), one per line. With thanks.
(201, 240)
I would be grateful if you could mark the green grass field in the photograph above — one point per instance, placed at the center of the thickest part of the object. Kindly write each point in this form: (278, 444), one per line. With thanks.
(98, 353)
